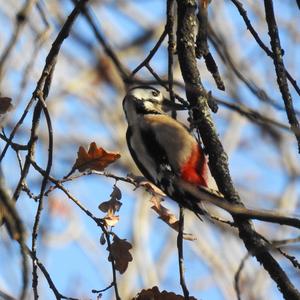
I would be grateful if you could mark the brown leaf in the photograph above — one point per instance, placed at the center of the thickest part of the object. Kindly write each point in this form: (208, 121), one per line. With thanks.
(113, 204)
(110, 219)
(116, 193)
(5, 105)
(169, 218)
(162, 211)
(155, 294)
(119, 251)
(95, 159)
(149, 186)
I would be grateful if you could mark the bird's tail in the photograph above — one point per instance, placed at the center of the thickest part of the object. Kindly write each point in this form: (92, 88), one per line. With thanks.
(194, 197)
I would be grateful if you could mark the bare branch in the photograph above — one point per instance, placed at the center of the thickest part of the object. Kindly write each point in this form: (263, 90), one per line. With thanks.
(280, 69)
(196, 95)
(180, 253)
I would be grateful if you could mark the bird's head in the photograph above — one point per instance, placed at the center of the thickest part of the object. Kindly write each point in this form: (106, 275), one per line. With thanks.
(146, 100)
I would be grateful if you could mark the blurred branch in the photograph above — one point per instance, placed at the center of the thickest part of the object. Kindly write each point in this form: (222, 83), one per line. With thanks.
(15, 226)
(20, 21)
(271, 245)
(238, 275)
(108, 50)
(286, 242)
(5, 296)
(253, 115)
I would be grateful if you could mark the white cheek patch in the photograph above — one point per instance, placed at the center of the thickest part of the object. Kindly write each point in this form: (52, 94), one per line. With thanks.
(149, 105)
(141, 93)
(144, 94)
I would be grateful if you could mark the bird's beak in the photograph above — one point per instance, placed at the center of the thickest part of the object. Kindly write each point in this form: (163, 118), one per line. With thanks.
(168, 105)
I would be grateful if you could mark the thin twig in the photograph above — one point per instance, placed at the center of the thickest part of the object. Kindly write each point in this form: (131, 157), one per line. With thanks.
(151, 53)
(180, 253)
(247, 21)
(52, 286)
(41, 92)
(98, 221)
(202, 48)
(225, 54)
(15, 146)
(114, 273)
(253, 115)
(41, 195)
(103, 290)
(43, 87)
(171, 49)
(291, 258)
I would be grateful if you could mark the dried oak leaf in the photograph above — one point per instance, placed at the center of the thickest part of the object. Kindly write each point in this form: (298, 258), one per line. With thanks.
(5, 105)
(95, 159)
(113, 204)
(119, 251)
(165, 215)
(110, 219)
(155, 294)
(149, 186)
(116, 193)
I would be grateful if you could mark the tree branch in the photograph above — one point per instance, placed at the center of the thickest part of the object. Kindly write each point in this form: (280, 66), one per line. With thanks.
(280, 69)
(218, 161)
(180, 253)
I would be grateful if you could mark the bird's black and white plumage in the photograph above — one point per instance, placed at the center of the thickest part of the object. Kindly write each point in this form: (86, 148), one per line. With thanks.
(163, 148)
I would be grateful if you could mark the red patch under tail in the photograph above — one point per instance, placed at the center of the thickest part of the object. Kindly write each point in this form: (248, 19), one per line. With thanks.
(195, 169)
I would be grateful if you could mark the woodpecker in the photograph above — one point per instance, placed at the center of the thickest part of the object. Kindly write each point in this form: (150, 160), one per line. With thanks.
(163, 149)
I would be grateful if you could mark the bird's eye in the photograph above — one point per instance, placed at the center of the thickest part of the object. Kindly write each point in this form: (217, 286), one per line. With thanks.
(155, 93)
